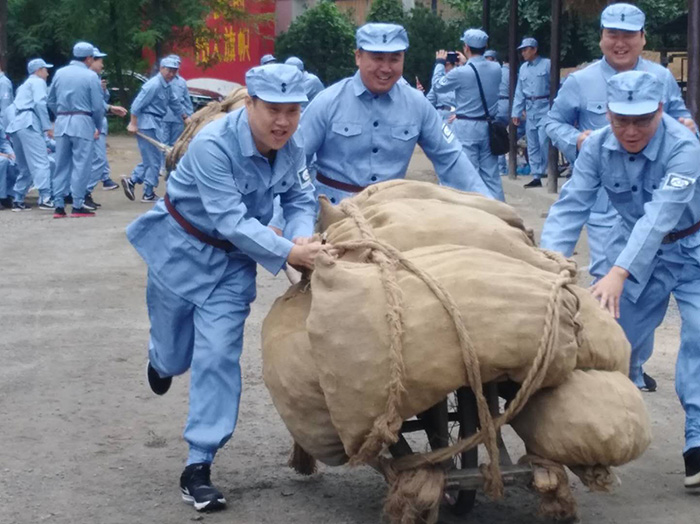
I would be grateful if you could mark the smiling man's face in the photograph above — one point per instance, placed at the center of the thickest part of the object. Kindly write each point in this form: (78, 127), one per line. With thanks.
(379, 71)
(622, 48)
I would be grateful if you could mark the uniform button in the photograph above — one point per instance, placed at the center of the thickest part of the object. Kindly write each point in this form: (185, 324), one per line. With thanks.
(659, 252)
(373, 179)
(284, 183)
(332, 200)
(616, 184)
(634, 188)
(600, 107)
(632, 159)
(654, 186)
(246, 186)
(346, 129)
(405, 132)
(374, 150)
(376, 124)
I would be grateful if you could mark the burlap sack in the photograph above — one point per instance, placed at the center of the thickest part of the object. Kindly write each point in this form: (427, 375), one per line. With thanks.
(602, 342)
(410, 223)
(211, 112)
(595, 417)
(393, 190)
(291, 376)
(503, 302)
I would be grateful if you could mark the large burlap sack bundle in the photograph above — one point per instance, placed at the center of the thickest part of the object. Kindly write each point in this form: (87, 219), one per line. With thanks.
(594, 418)
(503, 302)
(291, 376)
(211, 112)
(602, 342)
(393, 190)
(409, 223)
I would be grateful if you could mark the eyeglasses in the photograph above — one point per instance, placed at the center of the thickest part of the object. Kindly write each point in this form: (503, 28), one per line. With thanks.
(640, 122)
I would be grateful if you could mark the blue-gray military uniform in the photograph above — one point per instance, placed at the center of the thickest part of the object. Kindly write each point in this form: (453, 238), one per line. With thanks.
(27, 131)
(443, 102)
(471, 127)
(100, 165)
(656, 195)
(76, 98)
(199, 295)
(503, 114)
(173, 125)
(150, 106)
(312, 84)
(7, 166)
(361, 138)
(532, 96)
(581, 104)
(6, 92)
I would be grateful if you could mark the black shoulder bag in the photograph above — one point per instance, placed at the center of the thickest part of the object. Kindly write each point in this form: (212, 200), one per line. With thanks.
(498, 131)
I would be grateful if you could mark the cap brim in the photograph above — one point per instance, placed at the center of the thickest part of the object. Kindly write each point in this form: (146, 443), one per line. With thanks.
(276, 98)
(100, 55)
(621, 26)
(48, 66)
(388, 48)
(633, 108)
(525, 46)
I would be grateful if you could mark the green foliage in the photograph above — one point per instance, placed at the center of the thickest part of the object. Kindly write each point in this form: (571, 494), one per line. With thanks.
(427, 32)
(389, 11)
(324, 38)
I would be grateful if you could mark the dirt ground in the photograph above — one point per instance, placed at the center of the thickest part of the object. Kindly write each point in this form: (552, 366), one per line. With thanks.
(83, 440)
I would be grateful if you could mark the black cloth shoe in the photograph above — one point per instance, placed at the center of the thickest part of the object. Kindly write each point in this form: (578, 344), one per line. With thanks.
(649, 384)
(79, 212)
(128, 187)
(692, 468)
(535, 182)
(59, 212)
(158, 384)
(197, 489)
(90, 203)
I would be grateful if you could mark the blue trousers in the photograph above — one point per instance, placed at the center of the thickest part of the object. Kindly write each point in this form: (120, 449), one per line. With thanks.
(100, 165)
(475, 142)
(639, 321)
(208, 341)
(171, 131)
(537, 143)
(73, 169)
(7, 177)
(146, 172)
(32, 163)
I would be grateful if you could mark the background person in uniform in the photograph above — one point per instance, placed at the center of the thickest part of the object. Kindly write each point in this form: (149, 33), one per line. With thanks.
(268, 59)
(76, 98)
(100, 164)
(312, 83)
(580, 108)
(7, 168)
(6, 91)
(363, 129)
(648, 163)
(445, 101)
(470, 126)
(27, 131)
(147, 112)
(173, 125)
(532, 97)
(202, 244)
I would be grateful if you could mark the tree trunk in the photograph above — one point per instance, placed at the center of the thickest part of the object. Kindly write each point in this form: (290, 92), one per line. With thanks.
(555, 53)
(513, 65)
(3, 34)
(117, 47)
(693, 93)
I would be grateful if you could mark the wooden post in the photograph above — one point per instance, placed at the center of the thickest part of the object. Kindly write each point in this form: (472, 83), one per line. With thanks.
(513, 63)
(3, 34)
(555, 52)
(693, 93)
(486, 16)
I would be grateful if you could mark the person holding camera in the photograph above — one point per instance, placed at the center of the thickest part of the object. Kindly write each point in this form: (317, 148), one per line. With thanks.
(475, 85)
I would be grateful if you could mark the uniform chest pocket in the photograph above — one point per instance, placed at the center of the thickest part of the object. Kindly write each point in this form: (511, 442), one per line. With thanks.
(404, 133)
(346, 129)
(599, 107)
(246, 184)
(619, 189)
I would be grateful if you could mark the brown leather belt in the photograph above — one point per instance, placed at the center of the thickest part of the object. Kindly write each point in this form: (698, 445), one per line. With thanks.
(86, 113)
(338, 185)
(677, 235)
(199, 235)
